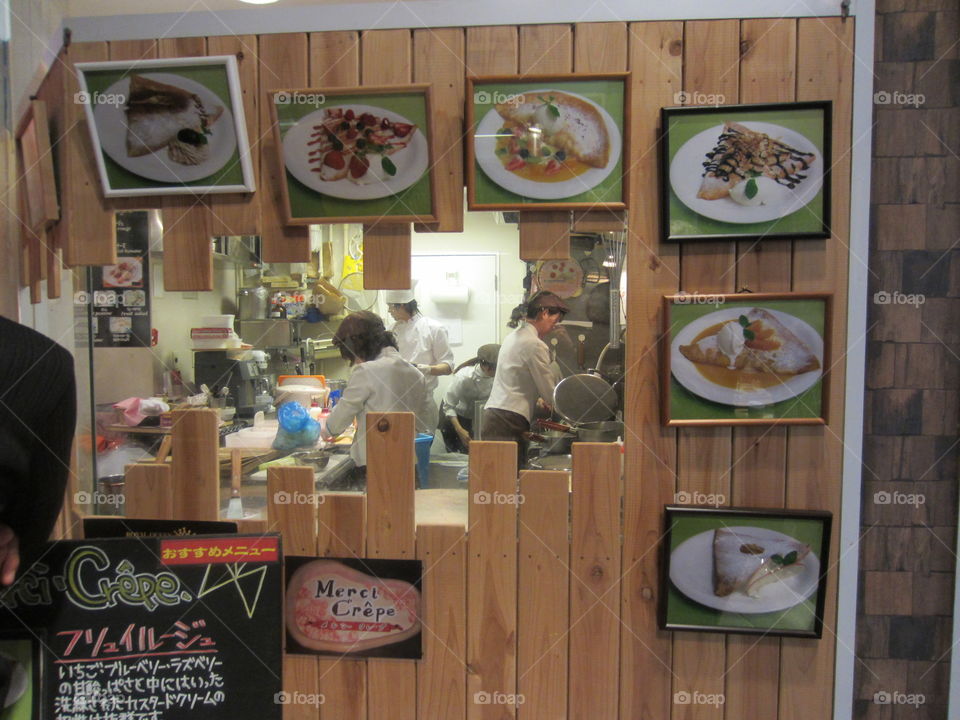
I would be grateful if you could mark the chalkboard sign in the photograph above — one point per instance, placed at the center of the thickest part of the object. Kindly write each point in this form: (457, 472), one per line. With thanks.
(153, 628)
(112, 527)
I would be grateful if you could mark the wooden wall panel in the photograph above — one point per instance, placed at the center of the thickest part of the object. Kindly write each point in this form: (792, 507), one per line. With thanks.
(545, 49)
(386, 59)
(52, 92)
(297, 523)
(442, 673)
(492, 50)
(543, 613)
(195, 466)
(148, 492)
(282, 64)
(711, 58)
(650, 449)
(391, 684)
(334, 59)
(492, 580)
(90, 227)
(767, 74)
(815, 454)
(239, 213)
(595, 582)
(438, 58)
(341, 533)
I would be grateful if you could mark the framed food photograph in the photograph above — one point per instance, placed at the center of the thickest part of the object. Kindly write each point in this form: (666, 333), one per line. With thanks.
(356, 154)
(744, 570)
(35, 165)
(20, 668)
(167, 127)
(745, 359)
(745, 172)
(548, 142)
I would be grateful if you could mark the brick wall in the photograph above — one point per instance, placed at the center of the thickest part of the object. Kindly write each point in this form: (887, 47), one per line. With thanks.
(909, 521)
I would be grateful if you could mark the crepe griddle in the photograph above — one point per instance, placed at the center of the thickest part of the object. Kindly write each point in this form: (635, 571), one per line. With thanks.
(585, 398)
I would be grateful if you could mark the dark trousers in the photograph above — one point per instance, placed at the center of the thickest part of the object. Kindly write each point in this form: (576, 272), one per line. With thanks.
(507, 426)
(451, 440)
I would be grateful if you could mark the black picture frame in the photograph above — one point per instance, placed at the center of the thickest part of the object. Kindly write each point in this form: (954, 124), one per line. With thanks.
(689, 582)
(802, 211)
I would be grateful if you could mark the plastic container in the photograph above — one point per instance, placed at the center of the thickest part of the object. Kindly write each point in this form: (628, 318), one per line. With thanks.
(217, 321)
(422, 447)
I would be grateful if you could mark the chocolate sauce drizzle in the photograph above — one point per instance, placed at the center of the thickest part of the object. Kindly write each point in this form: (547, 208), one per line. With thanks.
(726, 160)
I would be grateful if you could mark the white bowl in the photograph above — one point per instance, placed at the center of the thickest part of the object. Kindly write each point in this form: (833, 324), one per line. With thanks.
(218, 321)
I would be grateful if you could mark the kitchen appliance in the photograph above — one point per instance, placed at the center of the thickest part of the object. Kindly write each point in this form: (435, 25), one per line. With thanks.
(249, 386)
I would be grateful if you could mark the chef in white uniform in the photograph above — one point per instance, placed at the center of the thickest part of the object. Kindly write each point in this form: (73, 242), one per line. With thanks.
(422, 341)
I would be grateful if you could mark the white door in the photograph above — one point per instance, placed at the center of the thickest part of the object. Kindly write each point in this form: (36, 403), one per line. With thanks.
(460, 291)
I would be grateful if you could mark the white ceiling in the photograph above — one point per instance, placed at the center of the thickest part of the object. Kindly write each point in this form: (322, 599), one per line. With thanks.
(88, 8)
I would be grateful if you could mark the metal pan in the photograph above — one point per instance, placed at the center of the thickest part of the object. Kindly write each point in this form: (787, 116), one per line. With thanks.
(585, 398)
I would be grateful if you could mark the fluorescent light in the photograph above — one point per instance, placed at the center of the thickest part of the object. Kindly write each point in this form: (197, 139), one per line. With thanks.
(259, 2)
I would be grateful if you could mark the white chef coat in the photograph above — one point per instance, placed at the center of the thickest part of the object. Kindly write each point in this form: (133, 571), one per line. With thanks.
(386, 384)
(469, 385)
(524, 373)
(424, 341)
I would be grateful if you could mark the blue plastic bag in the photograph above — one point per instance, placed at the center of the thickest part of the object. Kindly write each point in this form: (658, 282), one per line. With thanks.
(297, 428)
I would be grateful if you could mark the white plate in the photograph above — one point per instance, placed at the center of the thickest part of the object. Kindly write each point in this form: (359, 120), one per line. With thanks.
(691, 572)
(485, 145)
(134, 267)
(112, 131)
(686, 372)
(411, 161)
(686, 173)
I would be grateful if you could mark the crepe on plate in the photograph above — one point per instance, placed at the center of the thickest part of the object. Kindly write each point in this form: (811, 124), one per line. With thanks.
(741, 153)
(756, 342)
(166, 116)
(567, 122)
(746, 562)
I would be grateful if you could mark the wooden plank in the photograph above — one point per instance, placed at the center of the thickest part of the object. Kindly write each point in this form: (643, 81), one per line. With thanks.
(815, 454)
(33, 260)
(442, 686)
(187, 221)
(545, 49)
(282, 64)
(391, 685)
(386, 256)
(239, 213)
(195, 467)
(187, 247)
(711, 59)
(53, 93)
(386, 59)
(767, 74)
(653, 269)
(82, 200)
(438, 56)
(54, 260)
(147, 492)
(334, 59)
(595, 582)
(544, 235)
(340, 533)
(492, 50)
(291, 512)
(598, 221)
(543, 613)
(492, 580)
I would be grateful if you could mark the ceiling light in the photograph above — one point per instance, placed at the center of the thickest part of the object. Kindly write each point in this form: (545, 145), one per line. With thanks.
(259, 2)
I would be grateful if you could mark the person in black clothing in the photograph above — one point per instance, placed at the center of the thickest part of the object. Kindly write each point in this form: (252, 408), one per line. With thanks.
(38, 414)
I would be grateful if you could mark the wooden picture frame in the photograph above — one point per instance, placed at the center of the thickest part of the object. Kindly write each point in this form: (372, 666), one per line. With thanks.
(698, 206)
(744, 570)
(198, 146)
(329, 178)
(515, 157)
(699, 387)
(25, 690)
(38, 182)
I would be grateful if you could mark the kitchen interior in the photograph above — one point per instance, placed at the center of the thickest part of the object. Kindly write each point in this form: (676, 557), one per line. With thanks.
(263, 337)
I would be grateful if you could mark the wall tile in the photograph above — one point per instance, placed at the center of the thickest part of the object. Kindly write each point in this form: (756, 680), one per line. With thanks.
(911, 638)
(909, 37)
(899, 227)
(888, 593)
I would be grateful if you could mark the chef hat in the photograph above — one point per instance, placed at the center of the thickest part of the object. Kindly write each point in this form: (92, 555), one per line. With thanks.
(399, 297)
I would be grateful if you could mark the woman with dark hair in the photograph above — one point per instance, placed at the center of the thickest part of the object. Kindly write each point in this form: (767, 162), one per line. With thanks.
(524, 373)
(471, 383)
(381, 381)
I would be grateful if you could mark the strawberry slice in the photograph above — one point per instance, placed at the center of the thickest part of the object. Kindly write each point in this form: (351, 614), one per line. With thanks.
(335, 160)
(516, 164)
(402, 129)
(348, 115)
(358, 166)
